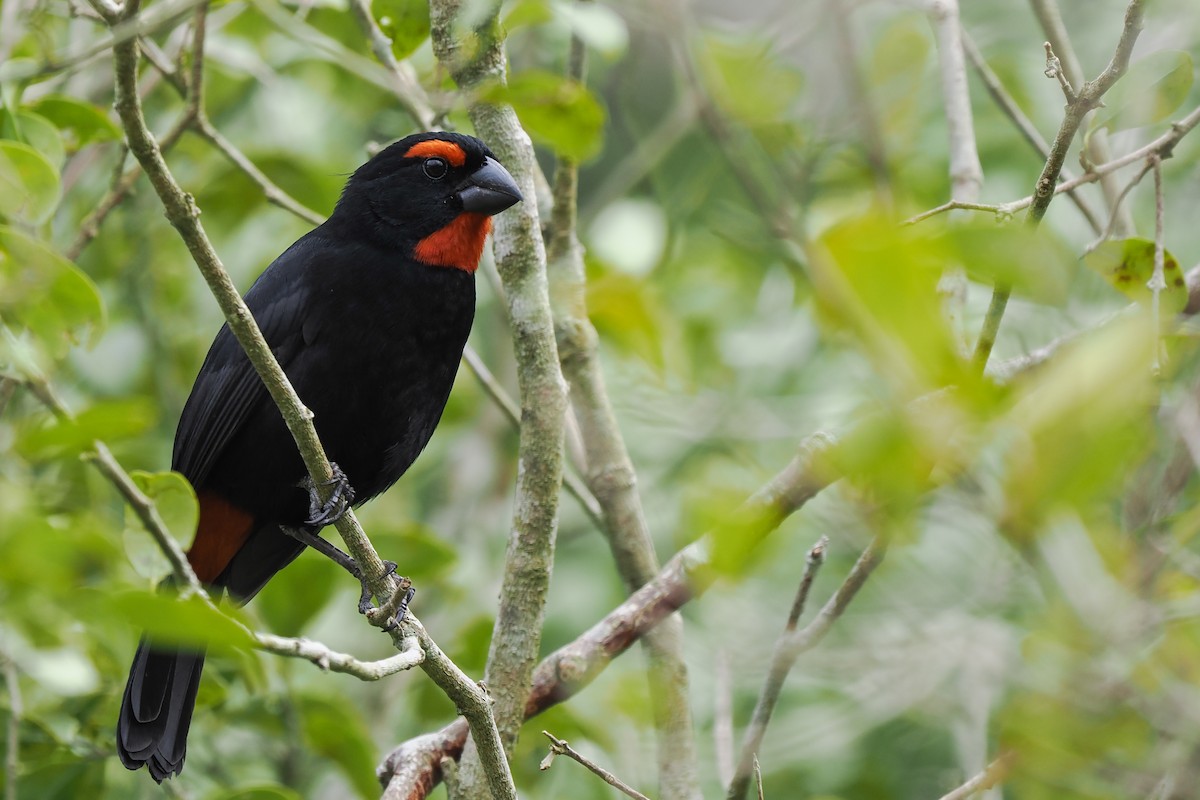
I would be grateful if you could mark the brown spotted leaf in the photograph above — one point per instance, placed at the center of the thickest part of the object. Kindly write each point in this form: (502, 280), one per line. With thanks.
(1128, 264)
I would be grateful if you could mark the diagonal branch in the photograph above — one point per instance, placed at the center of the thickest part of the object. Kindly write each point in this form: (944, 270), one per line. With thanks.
(413, 769)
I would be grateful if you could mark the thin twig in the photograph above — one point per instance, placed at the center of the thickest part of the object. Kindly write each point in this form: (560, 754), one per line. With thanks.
(955, 205)
(1001, 97)
(791, 644)
(1158, 282)
(1096, 146)
(332, 661)
(560, 747)
(404, 81)
(758, 783)
(1111, 225)
(992, 775)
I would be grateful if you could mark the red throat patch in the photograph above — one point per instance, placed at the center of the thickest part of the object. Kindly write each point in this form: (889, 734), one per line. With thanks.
(459, 244)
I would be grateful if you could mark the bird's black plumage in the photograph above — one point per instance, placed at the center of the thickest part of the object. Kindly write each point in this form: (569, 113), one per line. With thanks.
(368, 315)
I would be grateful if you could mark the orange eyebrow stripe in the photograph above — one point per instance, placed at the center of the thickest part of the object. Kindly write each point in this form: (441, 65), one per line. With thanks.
(438, 147)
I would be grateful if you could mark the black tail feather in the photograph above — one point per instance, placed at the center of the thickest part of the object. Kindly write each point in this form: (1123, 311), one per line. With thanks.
(156, 710)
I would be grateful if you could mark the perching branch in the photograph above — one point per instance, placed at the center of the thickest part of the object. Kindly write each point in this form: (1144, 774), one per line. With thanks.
(560, 747)
(1087, 98)
(521, 262)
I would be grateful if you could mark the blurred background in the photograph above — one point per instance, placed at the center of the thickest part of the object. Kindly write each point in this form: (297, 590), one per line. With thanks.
(1043, 597)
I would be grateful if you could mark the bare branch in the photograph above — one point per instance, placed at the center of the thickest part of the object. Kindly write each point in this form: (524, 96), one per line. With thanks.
(1000, 95)
(404, 81)
(1097, 151)
(794, 642)
(572, 667)
(559, 747)
(1087, 98)
(966, 173)
(992, 775)
(332, 661)
(612, 479)
(1157, 283)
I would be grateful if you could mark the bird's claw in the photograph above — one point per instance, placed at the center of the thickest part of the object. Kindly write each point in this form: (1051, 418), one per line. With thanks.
(365, 605)
(340, 499)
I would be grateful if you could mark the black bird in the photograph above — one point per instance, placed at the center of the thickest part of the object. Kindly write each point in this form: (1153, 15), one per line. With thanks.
(368, 315)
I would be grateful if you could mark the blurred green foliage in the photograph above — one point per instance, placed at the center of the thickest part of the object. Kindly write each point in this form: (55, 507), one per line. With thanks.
(1042, 589)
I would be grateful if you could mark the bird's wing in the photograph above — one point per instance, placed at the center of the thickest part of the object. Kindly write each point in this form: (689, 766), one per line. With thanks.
(227, 389)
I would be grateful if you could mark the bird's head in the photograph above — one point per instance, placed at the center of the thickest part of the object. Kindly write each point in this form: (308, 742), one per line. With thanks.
(432, 195)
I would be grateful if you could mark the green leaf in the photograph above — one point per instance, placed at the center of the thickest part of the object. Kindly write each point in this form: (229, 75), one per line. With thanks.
(176, 502)
(879, 282)
(29, 185)
(1035, 263)
(174, 620)
(110, 421)
(1148, 93)
(1077, 424)
(44, 292)
(557, 112)
(405, 22)
(336, 730)
(35, 131)
(1128, 265)
(84, 122)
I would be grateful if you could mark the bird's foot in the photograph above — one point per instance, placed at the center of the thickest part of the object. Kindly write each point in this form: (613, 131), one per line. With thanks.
(389, 615)
(327, 512)
(365, 606)
(392, 612)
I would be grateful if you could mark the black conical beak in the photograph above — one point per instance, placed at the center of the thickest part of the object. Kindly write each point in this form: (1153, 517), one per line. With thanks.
(489, 190)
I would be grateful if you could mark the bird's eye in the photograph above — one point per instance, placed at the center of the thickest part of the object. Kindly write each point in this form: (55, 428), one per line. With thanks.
(435, 168)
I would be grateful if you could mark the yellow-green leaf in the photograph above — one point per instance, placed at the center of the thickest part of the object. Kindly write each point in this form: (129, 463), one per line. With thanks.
(29, 185)
(83, 122)
(45, 293)
(558, 112)
(1128, 265)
